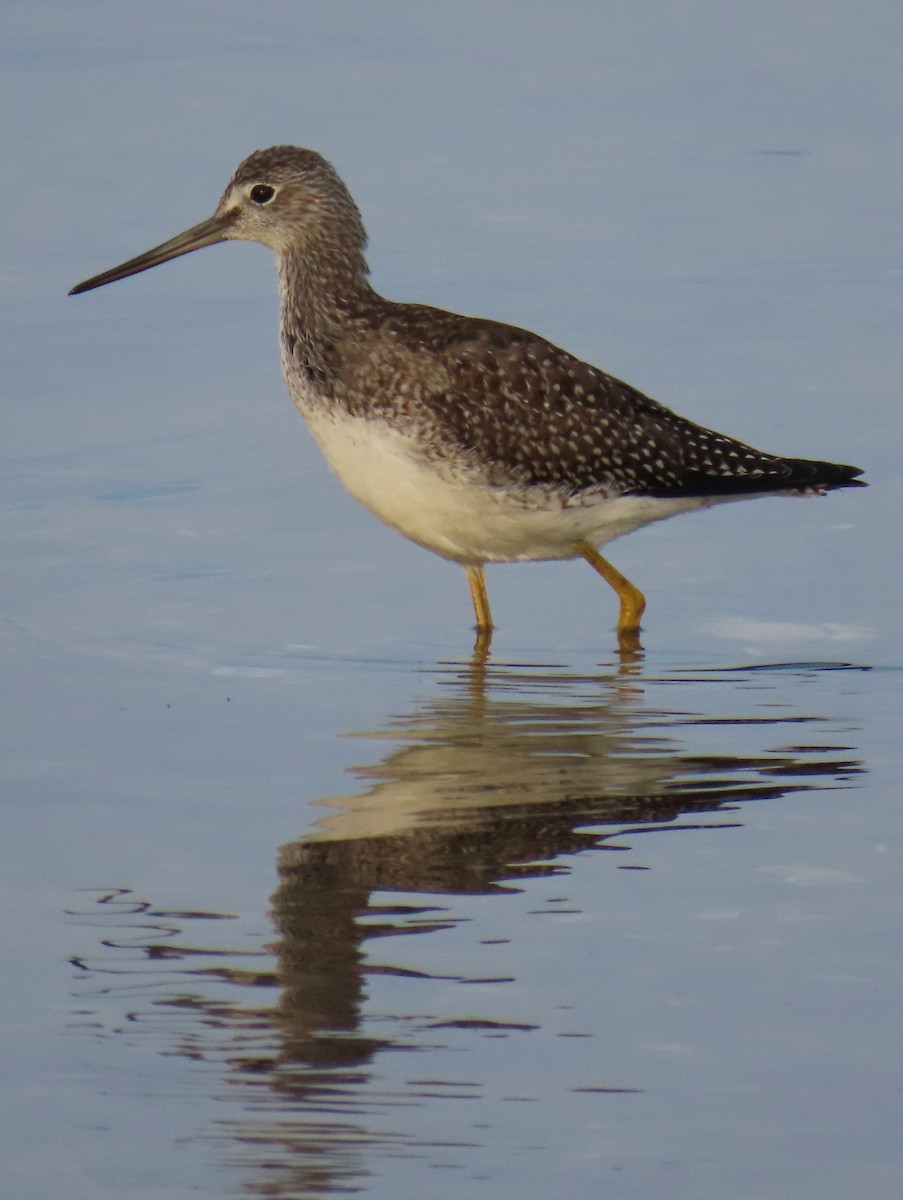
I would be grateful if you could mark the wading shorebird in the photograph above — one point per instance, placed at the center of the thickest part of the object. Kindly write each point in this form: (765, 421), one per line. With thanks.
(480, 441)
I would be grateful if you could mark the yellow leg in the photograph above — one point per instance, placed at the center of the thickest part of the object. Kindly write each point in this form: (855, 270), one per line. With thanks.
(480, 598)
(633, 602)
(480, 606)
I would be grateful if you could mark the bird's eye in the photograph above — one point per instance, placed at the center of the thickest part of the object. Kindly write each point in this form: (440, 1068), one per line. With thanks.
(262, 193)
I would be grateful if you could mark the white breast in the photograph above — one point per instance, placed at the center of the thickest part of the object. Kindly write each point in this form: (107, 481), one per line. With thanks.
(457, 515)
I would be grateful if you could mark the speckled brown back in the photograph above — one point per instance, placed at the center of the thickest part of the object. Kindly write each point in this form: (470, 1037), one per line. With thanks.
(535, 416)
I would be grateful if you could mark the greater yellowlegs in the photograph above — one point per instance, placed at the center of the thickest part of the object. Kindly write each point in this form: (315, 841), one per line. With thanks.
(480, 441)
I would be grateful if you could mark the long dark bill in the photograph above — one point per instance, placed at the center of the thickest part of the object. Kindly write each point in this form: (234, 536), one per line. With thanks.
(213, 230)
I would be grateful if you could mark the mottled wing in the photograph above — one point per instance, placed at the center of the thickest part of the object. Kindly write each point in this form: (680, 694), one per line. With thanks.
(538, 416)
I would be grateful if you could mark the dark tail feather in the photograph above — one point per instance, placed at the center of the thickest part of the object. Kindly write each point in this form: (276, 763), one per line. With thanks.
(809, 473)
(802, 475)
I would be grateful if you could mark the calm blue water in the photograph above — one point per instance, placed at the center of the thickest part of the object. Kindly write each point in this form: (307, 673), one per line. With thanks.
(300, 901)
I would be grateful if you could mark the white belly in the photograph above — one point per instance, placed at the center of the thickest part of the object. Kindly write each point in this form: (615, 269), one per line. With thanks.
(460, 517)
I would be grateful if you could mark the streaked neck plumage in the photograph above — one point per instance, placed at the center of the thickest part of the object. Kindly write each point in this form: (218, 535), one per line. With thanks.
(325, 294)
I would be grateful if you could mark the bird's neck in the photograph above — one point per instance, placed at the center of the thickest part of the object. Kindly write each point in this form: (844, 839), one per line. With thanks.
(326, 295)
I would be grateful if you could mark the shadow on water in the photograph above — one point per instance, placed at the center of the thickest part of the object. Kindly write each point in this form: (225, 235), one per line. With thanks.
(506, 774)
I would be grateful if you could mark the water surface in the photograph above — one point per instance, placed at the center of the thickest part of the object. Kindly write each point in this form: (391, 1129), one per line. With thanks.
(565, 929)
(299, 901)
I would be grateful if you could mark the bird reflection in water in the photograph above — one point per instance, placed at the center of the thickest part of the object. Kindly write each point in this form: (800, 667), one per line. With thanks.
(503, 775)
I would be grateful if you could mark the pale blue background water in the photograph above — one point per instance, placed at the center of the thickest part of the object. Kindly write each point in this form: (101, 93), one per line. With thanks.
(702, 199)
